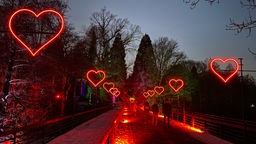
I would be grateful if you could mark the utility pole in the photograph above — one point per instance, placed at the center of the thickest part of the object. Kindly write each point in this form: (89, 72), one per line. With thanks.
(243, 99)
(241, 86)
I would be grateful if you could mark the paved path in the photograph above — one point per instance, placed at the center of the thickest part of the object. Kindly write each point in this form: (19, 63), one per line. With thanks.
(137, 129)
(133, 129)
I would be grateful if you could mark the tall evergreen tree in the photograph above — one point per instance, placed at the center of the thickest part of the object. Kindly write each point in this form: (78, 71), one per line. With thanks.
(117, 61)
(144, 70)
(92, 44)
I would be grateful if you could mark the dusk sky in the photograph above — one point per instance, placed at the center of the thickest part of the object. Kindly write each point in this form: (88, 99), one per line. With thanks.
(200, 32)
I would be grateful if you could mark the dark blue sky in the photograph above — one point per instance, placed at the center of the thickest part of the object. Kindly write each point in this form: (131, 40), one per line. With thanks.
(200, 32)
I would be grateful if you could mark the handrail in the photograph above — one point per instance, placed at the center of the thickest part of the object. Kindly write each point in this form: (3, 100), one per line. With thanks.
(231, 129)
(58, 124)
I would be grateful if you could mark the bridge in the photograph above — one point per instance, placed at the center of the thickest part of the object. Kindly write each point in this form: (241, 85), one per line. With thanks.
(121, 125)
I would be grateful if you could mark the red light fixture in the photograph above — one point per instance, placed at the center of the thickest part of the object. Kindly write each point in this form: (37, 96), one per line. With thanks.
(16, 37)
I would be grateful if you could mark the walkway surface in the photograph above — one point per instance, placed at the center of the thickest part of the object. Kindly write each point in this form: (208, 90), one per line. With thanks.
(133, 128)
(136, 128)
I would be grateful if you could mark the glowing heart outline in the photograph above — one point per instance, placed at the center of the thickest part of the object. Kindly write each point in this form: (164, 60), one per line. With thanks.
(151, 92)
(224, 61)
(176, 80)
(146, 94)
(159, 89)
(114, 91)
(95, 84)
(37, 16)
(107, 84)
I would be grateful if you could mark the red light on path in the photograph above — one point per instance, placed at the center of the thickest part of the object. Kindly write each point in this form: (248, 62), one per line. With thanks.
(230, 60)
(176, 84)
(93, 77)
(16, 13)
(58, 96)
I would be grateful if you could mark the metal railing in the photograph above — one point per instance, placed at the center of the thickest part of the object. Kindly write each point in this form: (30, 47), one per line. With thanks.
(45, 131)
(234, 130)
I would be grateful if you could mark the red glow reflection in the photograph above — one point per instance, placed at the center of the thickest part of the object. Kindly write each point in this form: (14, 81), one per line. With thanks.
(13, 33)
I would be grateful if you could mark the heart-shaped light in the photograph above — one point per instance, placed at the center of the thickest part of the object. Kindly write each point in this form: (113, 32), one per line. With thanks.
(176, 84)
(108, 85)
(16, 37)
(151, 92)
(228, 60)
(95, 77)
(117, 93)
(145, 94)
(159, 89)
(114, 91)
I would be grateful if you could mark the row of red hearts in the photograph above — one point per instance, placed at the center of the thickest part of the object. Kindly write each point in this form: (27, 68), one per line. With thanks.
(35, 51)
(175, 84)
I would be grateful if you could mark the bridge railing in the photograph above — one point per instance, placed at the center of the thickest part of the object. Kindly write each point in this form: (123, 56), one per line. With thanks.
(43, 132)
(231, 129)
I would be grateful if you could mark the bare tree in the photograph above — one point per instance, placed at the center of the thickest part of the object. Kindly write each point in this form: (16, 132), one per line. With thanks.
(248, 24)
(108, 26)
(194, 3)
(167, 54)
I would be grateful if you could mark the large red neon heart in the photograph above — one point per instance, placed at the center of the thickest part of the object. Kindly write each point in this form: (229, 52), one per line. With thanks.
(95, 77)
(176, 84)
(159, 89)
(16, 13)
(229, 60)
(108, 85)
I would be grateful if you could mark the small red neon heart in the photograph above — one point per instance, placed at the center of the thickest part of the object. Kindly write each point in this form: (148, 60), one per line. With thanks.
(15, 14)
(159, 89)
(95, 77)
(108, 85)
(114, 91)
(176, 84)
(117, 93)
(145, 94)
(229, 60)
(151, 92)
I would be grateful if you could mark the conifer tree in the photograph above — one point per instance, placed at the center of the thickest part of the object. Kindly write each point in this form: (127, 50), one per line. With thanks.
(144, 67)
(117, 60)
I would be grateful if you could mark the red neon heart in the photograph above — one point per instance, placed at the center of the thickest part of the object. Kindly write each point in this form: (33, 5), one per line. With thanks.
(114, 91)
(108, 85)
(159, 89)
(231, 60)
(151, 92)
(176, 84)
(145, 94)
(95, 77)
(15, 14)
(117, 93)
